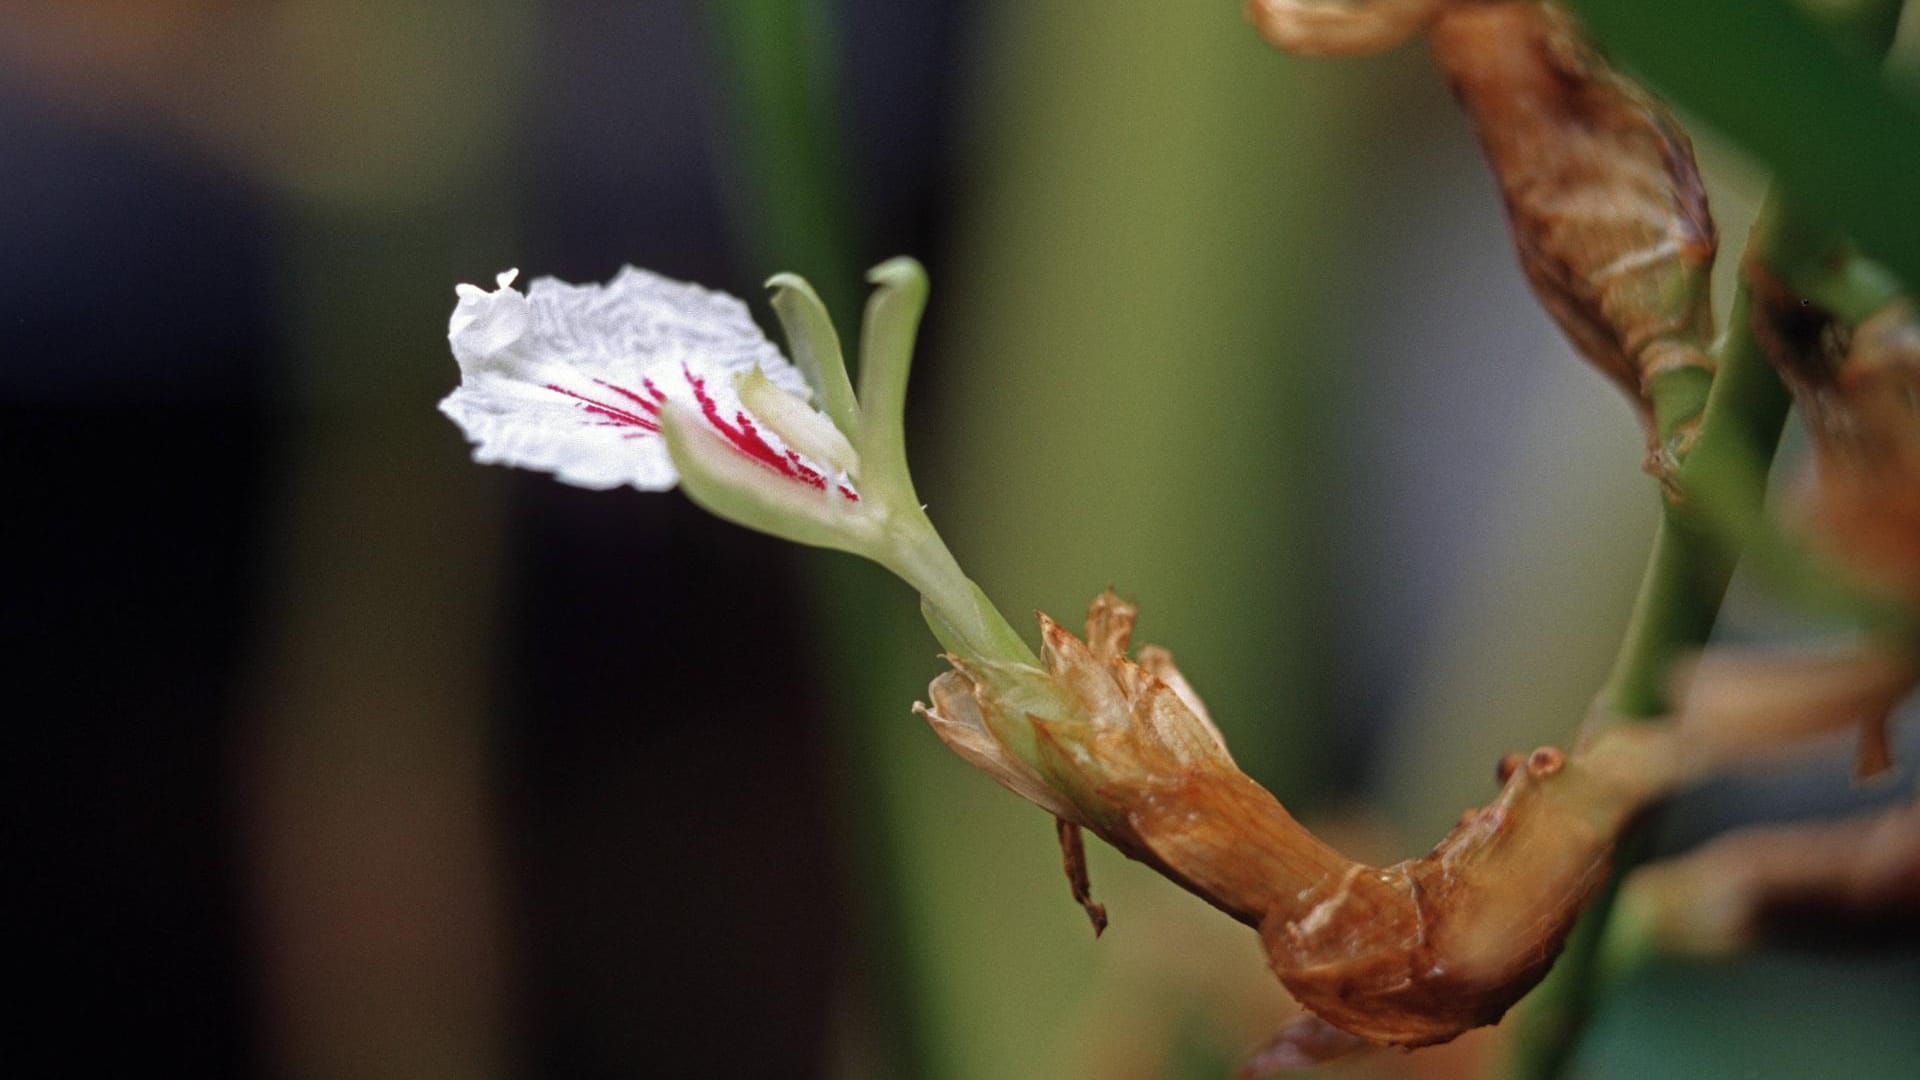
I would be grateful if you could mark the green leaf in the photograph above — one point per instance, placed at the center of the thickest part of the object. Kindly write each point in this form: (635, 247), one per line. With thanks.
(1842, 141)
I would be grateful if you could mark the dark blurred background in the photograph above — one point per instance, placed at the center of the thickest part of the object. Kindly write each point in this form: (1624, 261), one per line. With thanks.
(336, 755)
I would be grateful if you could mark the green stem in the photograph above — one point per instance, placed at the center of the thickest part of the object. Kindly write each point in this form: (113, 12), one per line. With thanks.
(956, 610)
(1725, 486)
(1693, 559)
(1722, 483)
(1679, 600)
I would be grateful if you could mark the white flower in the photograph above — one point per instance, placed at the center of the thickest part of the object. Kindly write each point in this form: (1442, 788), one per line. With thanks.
(649, 383)
(573, 380)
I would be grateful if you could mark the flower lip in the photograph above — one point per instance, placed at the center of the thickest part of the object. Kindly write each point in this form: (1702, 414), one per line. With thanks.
(570, 379)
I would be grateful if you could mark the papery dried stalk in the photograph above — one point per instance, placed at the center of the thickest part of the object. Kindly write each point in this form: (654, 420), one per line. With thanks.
(1858, 879)
(1608, 211)
(1073, 859)
(1409, 954)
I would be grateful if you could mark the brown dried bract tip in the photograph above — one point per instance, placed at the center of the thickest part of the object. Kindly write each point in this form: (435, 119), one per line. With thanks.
(1508, 764)
(1608, 211)
(1073, 858)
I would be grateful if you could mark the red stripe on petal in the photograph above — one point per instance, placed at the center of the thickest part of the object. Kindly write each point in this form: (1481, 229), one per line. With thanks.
(614, 415)
(639, 413)
(746, 438)
(799, 464)
(651, 405)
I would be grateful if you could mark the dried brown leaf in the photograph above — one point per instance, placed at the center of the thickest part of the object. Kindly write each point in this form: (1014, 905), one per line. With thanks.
(1857, 878)
(1607, 208)
(1740, 705)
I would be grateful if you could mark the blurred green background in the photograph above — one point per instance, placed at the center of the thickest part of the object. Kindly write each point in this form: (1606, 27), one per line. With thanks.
(348, 758)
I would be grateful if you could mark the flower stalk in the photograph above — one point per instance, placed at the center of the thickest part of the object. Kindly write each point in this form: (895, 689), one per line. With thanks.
(863, 429)
(1106, 742)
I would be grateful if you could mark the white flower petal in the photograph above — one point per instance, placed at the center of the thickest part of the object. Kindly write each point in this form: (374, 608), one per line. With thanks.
(569, 379)
(485, 324)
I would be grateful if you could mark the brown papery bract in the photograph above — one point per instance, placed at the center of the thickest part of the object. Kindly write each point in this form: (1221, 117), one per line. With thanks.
(1749, 703)
(1408, 954)
(1851, 882)
(1607, 208)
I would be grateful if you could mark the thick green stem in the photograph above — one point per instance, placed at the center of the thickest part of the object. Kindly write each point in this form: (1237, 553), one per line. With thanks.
(1680, 596)
(958, 613)
(1693, 557)
(1678, 601)
(1722, 483)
